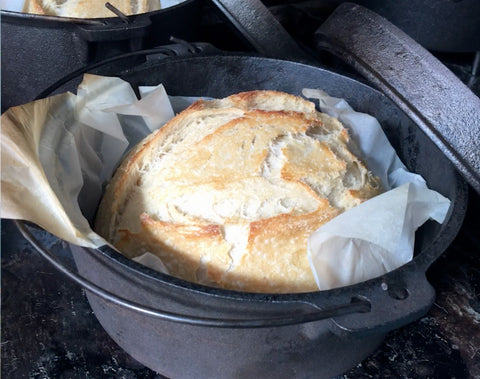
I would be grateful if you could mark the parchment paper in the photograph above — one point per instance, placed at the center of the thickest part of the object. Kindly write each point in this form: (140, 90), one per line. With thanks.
(58, 150)
(378, 235)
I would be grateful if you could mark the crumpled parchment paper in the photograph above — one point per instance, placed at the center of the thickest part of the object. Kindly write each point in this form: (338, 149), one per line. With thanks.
(58, 153)
(378, 235)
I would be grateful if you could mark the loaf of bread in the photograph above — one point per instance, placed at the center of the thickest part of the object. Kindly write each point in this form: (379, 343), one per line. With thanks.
(88, 8)
(228, 191)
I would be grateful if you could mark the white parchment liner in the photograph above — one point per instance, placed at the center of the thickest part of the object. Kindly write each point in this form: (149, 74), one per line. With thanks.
(56, 150)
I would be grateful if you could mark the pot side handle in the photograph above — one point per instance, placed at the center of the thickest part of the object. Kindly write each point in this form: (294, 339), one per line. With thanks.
(395, 300)
(445, 109)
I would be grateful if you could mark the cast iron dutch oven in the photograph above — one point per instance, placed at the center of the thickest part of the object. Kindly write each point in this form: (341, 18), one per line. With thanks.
(184, 330)
(38, 50)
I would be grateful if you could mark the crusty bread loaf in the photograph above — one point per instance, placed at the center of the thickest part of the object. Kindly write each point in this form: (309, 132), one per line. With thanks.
(88, 8)
(228, 191)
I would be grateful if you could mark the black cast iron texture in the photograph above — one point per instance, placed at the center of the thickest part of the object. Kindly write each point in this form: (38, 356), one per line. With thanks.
(396, 299)
(221, 76)
(262, 30)
(49, 330)
(430, 94)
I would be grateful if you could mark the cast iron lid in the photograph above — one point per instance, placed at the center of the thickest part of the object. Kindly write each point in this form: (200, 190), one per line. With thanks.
(430, 94)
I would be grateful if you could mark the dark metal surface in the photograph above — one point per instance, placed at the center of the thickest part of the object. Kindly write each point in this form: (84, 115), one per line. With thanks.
(181, 48)
(49, 330)
(253, 20)
(354, 306)
(278, 352)
(431, 95)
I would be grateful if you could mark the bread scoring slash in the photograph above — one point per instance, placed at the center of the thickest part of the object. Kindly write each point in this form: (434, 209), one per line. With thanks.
(228, 192)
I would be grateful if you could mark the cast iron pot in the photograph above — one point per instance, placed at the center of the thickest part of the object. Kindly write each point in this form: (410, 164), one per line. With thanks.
(37, 50)
(184, 330)
(211, 333)
(277, 338)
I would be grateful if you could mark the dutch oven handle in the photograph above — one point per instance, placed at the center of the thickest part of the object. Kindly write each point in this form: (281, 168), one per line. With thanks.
(397, 299)
(443, 107)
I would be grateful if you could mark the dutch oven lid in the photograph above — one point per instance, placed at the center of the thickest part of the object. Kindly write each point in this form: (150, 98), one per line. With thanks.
(446, 110)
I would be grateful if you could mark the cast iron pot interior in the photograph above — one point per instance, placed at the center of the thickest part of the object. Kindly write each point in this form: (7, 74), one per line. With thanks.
(322, 348)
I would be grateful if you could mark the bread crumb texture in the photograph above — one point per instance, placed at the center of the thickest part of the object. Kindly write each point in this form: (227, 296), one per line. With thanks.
(228, 192)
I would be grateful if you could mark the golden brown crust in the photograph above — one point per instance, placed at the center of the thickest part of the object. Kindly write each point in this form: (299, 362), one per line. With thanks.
(33, 6)
(227, 192)
(180, 247)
